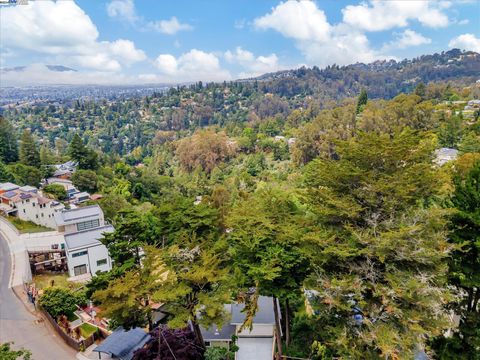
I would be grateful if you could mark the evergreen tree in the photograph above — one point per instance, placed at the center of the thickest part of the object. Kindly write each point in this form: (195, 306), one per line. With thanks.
(5, 174)
(380, 249)
(266, 249)
(29, 154)
(465, 270)
(87, 159)
(8, 142)
(362, 101)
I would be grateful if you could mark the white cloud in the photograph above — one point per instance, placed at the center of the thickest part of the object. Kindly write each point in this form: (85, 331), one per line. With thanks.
(169, 27)
(63, 32)
(406, 39)
(383, 15)
(466, 42)
(191, 66)
(320, 42)
(300, 20)
(126, 50)
(123, 9)
(252, 66)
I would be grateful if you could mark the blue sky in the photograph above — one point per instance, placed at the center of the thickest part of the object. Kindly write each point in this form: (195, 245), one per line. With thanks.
(148, 41)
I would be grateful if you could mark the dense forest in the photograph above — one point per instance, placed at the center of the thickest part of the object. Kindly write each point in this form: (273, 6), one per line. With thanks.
(318, 191)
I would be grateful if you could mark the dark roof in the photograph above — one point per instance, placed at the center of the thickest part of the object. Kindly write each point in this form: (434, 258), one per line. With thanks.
(214, 333)
(264, 315)
(122, 343)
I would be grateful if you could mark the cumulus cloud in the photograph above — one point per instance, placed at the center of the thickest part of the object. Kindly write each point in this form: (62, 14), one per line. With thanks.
(384, 15)
(320, 42)
(125, 10)
(63, 31)
(192, 66)
(466, 42)
(252, 65)
(406, 39)
(300, 20)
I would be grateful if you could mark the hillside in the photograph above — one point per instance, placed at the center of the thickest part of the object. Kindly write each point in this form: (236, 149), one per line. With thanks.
(382, 79)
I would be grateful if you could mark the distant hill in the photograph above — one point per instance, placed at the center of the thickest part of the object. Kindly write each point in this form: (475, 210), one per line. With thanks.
(381, 79)
(58, 68)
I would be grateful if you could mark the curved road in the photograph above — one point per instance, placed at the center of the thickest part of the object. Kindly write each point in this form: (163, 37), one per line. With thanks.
(20, 326)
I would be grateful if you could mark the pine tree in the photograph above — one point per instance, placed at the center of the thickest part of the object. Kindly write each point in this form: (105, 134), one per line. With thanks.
(29, 154)
(8, 142)
(362, 101)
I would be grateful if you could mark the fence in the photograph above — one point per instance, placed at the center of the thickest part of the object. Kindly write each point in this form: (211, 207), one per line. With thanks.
(80, 345)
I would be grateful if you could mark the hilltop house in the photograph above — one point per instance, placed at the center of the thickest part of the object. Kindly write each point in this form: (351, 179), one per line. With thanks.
(255, 344)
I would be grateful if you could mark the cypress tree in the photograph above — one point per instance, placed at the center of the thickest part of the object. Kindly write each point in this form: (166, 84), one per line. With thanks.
(29, 154)
(8, 142)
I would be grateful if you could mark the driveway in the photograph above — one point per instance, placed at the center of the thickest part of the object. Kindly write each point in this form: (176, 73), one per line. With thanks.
(20, 326)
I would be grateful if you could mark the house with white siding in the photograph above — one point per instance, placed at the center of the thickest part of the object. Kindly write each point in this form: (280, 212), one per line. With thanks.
(83, 228)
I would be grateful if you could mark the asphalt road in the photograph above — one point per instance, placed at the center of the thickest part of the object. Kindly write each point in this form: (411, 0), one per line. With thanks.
(17, 324)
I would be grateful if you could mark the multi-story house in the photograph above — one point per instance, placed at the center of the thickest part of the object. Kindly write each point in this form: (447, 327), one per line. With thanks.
(82, 228)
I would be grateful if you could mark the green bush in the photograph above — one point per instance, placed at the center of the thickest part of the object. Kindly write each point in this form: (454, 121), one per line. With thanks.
(57, 190)
(59, 301)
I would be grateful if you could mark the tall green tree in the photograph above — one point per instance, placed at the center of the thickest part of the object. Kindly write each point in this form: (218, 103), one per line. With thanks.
(265, 241)
(29, 154)
(464, 271)
(362, 101)
(5, 174)
(380, 246)
(86, 158)
(8, 142)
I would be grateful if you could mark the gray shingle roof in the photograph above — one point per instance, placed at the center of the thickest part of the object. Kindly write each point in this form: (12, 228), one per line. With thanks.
(86, 238)
(264, 313)
(73, 216)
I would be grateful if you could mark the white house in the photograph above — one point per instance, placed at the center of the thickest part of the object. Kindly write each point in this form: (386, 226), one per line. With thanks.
(28, 205)
(85, 253)
(255, 344)
(38, 209)
(82, 228)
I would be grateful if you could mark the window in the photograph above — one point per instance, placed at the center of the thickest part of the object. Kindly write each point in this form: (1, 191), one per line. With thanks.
(24, 211)
(88, 225)
(79, 270)
(101, 262)
(36, 216)
(42, 214)
(80, 253)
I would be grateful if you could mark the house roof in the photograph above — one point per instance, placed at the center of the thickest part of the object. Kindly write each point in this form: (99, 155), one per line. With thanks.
(86, 238)
(8, 186)
(214, 333)
(28, 188)
(73, 216)
(81, 194)
(264, 315)
(122, 343)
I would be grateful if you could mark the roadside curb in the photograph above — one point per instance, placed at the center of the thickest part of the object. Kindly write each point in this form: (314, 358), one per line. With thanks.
(12, 258)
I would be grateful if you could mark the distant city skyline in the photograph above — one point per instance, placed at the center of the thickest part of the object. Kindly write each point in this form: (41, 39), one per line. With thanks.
(145, 41)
